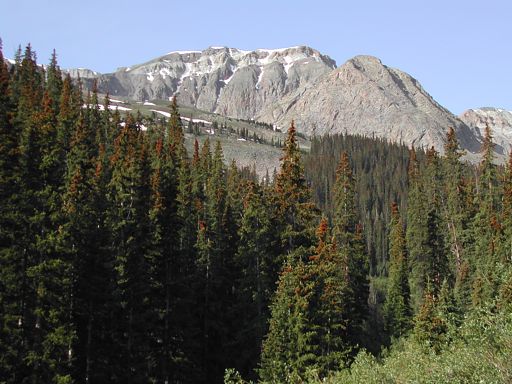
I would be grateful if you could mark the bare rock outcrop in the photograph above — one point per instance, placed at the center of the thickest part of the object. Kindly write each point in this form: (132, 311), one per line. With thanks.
(500, 122)
(365, 97)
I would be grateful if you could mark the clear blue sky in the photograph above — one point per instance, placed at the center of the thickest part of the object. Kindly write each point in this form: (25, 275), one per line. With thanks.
(459, 50)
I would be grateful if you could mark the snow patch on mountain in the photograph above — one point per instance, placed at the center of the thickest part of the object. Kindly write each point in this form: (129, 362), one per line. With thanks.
(166, 114)
(196, 120)
(217, 59)
(260, 76)
(183, 52)
(111, 107)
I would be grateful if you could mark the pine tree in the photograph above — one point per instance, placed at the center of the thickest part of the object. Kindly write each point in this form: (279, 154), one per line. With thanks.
(331, 314)
(175, 133)
(283, 348)
(286, 347)
(456, 215)
(505, 248)
(50, 276)
(214, 257)
(258, 263)
(351, 245)
(397, 309)
(54, 82)
(187, 216)
(425, 234)
(449, 309)
(83, 239)
(127, 218)
(14, 238)
(416, 231)
(8, 137)
(429, 327)
(12, 300)
(161, 258)
(506, 214)
(436, 261)
(309, 327)
(293, 199)
(485, 227)
(236, 187)
(29, 90)
(69, 107)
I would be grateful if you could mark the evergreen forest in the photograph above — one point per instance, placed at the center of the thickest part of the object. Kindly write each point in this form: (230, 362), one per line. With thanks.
(126, 259)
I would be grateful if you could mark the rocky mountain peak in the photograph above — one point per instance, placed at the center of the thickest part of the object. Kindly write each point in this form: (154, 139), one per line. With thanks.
(365, 97)
(365, 62)
(498, 119)
(214, 79)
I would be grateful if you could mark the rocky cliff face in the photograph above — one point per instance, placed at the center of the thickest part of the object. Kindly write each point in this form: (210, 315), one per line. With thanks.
(228, 81)
(500, 122)
(365, 97)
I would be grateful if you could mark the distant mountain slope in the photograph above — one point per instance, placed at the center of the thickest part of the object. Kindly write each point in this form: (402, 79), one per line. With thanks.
(499, 120)
(228, 81)
(363, 96)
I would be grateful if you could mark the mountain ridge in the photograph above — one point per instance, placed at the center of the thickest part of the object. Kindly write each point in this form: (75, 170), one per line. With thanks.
(362, 96)
(498, 119)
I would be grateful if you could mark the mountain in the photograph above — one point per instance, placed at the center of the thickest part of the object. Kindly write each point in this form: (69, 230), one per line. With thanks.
(363, 96)
(224, 80)
(500, 122)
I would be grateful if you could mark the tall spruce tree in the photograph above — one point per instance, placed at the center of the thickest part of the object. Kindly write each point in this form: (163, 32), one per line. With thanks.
(351, 245)
(83, 240)
(29, 88)
(161, 258)
(416, 231)
(128, 220)
(397, 309)
(214, 258)
(54, 81)
(436, 261)
(309, 327)
(284, 348)
(456, 215)
(454, 212)
(258, 264)
(506, 215)
(485, 227)
(429, 326)
(12, 230)
(294, 207)
(51, 274)
(329, 307)
(425, 233)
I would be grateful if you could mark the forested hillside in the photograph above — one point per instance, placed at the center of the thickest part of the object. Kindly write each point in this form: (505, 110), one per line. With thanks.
(125, 259)
(381, 170)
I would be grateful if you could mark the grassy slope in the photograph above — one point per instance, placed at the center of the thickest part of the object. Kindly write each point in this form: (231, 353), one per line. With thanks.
(245, 152)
